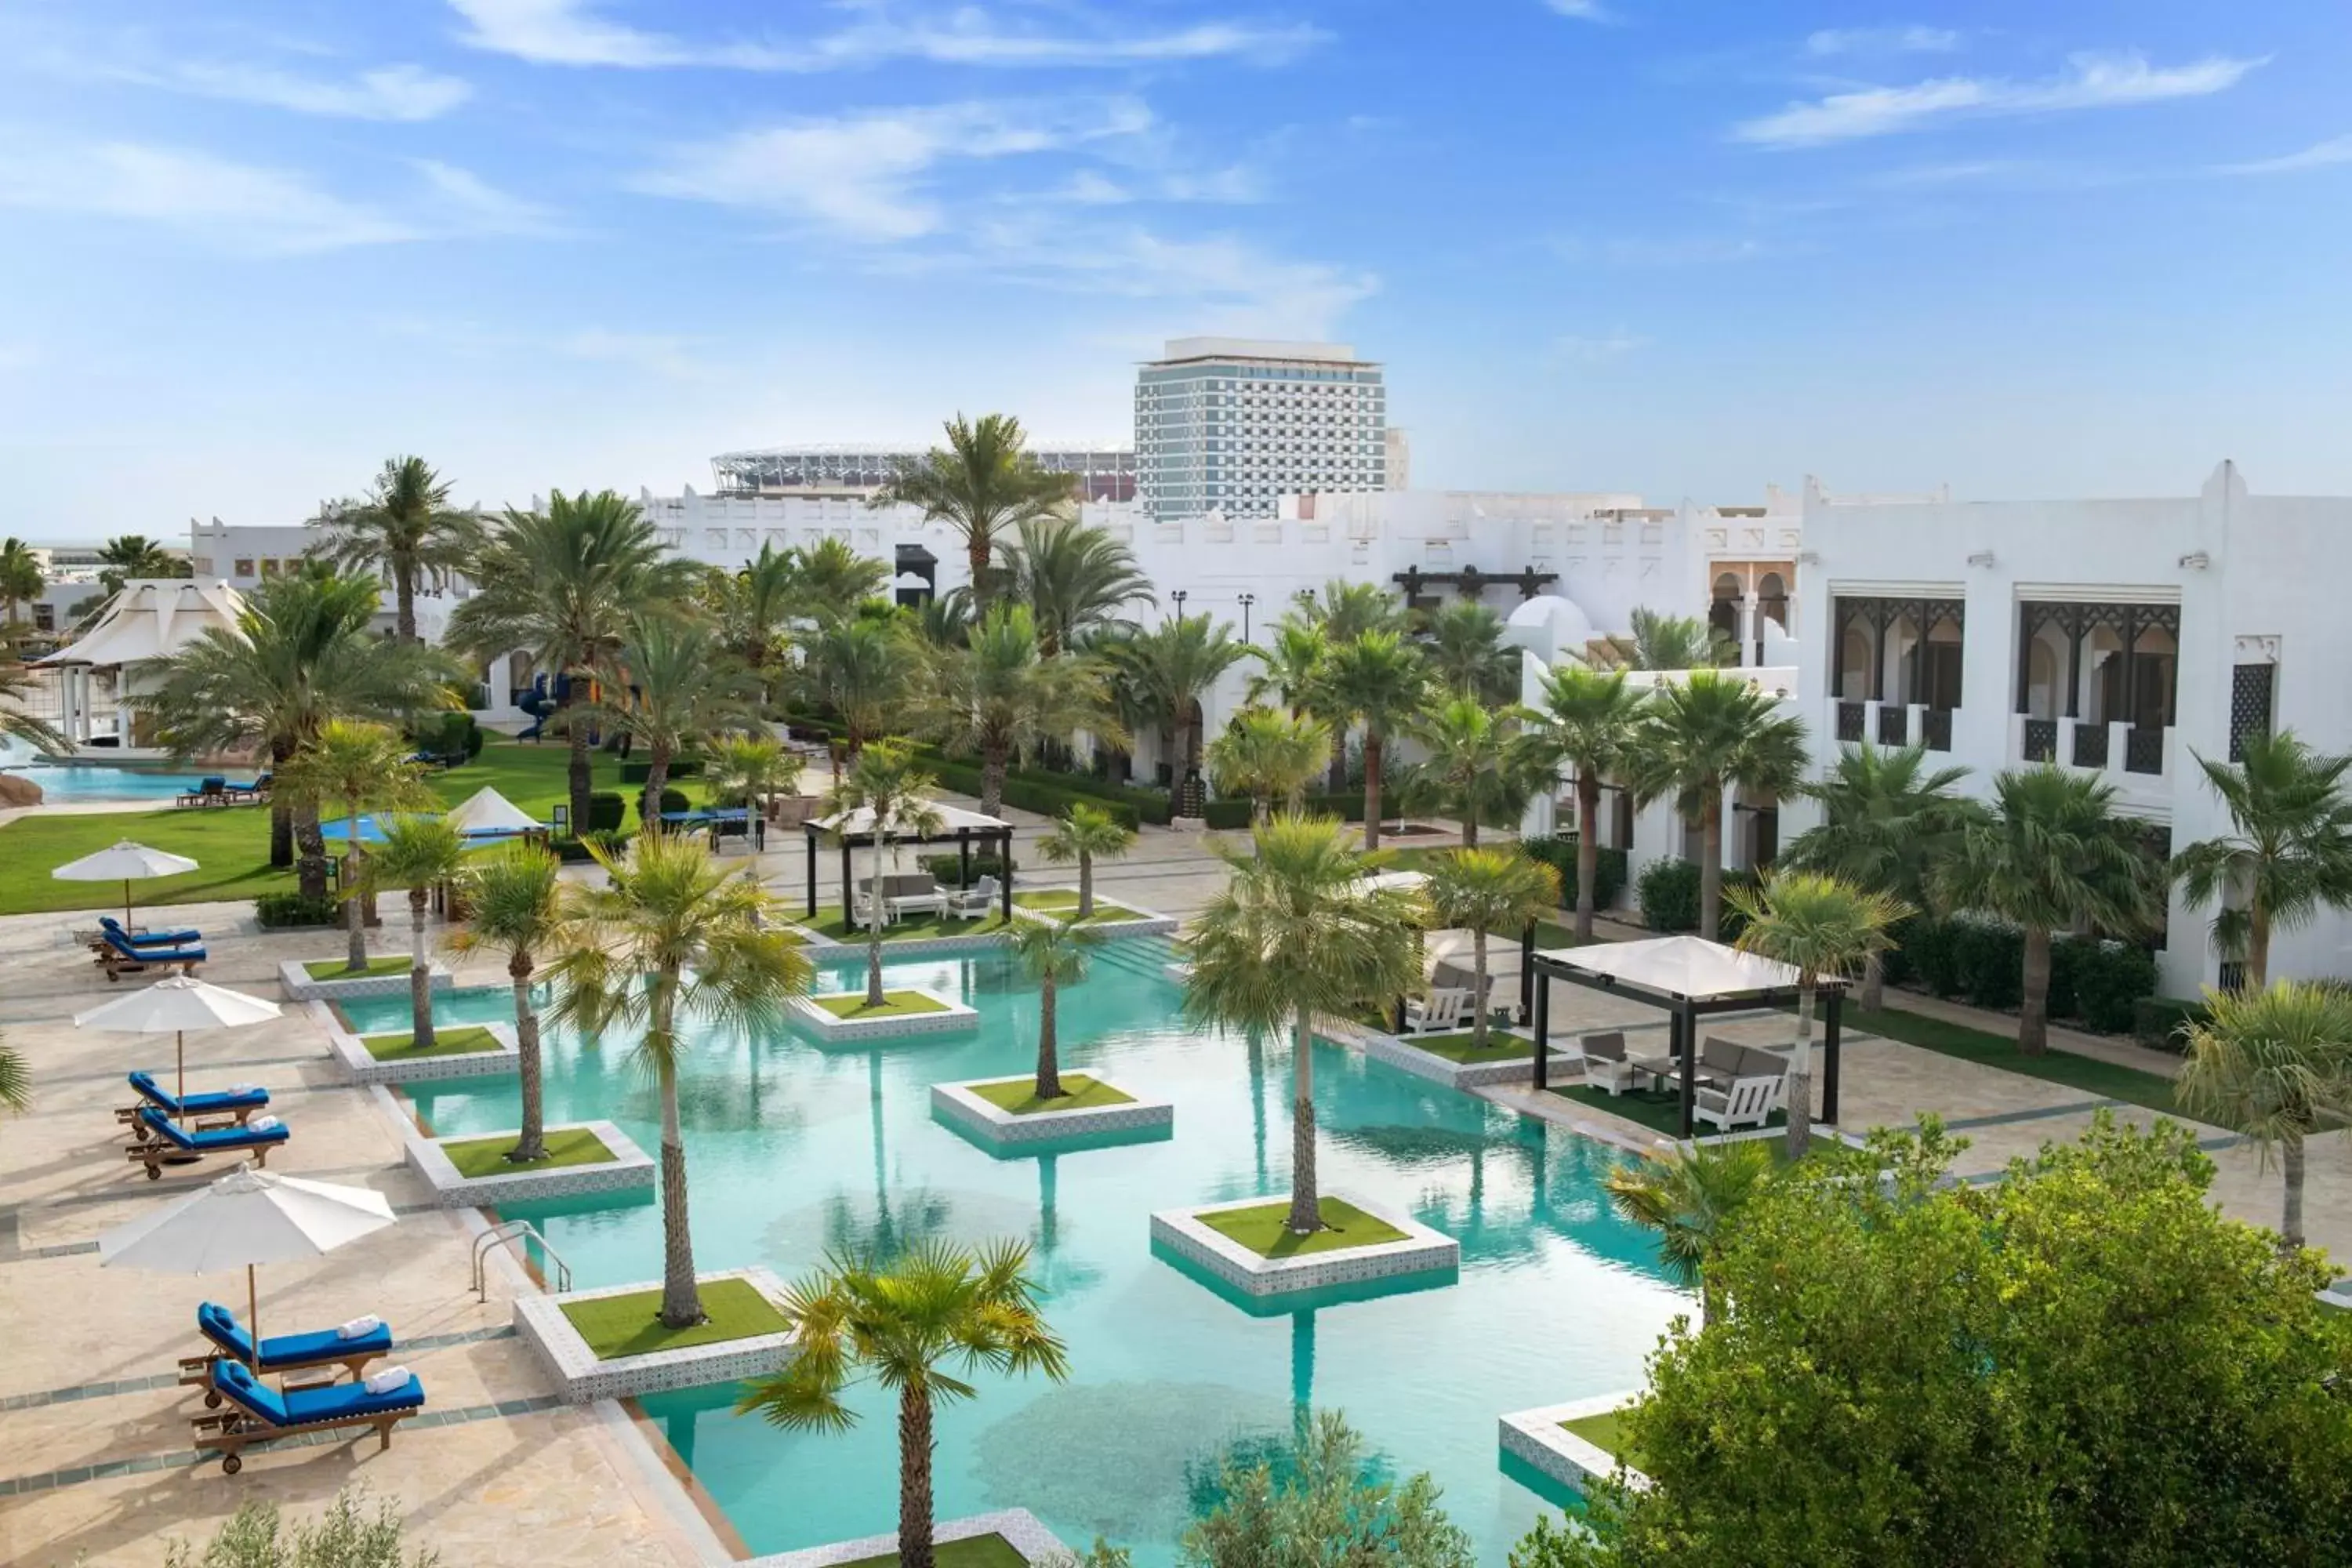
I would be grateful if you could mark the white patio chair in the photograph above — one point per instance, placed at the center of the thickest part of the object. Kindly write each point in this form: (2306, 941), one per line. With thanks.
(1605, 1067)
(975, 901)
(1442, 1009)
(1749, 1102)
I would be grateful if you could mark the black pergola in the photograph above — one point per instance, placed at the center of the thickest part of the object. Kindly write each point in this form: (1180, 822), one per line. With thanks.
(982, 830)
(1685, 1004)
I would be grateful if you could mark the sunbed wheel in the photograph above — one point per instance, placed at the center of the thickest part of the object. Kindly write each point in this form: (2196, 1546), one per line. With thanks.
(231, 1464)
(212, 1400)
(154, 1172)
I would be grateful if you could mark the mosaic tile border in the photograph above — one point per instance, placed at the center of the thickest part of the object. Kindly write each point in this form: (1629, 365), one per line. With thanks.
(957, 1103)
(1021, 1530)
(364, 1069)
(295, 980)
(582, 1378)
(1399, 1051)
(1422, 1250)
(1536, 1437)
(828, 1029)
(630, 1169)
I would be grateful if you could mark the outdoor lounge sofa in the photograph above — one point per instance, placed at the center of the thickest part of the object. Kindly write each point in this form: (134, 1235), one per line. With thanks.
(255, 1413)
(231, 1341)
(1605, 1067)
(120, 957)
(209, 1109)
(166, 1139)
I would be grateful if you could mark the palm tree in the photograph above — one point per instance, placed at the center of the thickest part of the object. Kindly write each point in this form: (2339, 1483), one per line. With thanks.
(1588, 724)
(1702, 738)
(670, 685)
(2051, 856)
(884, 781)
(983, 484)
(418, 853)
(1345, 610)
(1886, 822)
(21, 577)
(1692, 1198)
(1466, 651)
(1001, 692)
(833, 580)
(1293, 661)
(751, 771)
(1484, 890)
(516, 896)
(1673, 642)
(2275, 1065)
(1484, 763)
(1172, 667)
(1268, 755)
(1084, 834)
(1824, 928)
(404, 528)
(673, 932)
(15, 1079)
(1054, 955)
(302, 653)
(1380, 681)
(860, 671)
(2290, 851)
(135, 557)
(1072, 576)
(1296, 936)
(756, 606)
(363, 767)
(920, 1325)
(561, 584)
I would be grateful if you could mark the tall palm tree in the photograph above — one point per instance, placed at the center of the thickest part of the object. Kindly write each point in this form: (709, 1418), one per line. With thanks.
(1000, 693)
(751, 771)
(1084, 834)
(834, 579)
(2274, 1064)
(561, 584)
(1466, 651)
(984, 484)
(135, 557)
(1293, 659)
(670, 686)
(1673, 642)
(1377, 681)
(1483, 890)
(403, 527)
(2052, 855)
(301, 655)
(756, 606)
(674, 933)
(418, 853)
(920, 1325)
(885, 780)
(1588, 724)
(1347, 610)
(363, 767)
(860, 671)
(1072, 576)
(21, 577)
(1268, 755)
(2288, 855)
(1702, 738)
(1484, 764)
(1886, 822)
(1173, 666)
(1054, 955)
(1298, 935)
(1691, 1199)
(516, 896)
(1826, 929)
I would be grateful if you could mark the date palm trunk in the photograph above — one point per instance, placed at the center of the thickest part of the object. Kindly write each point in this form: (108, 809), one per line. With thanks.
(531, 1142)
(1085, 885)
(1049, 1064)
(657, 781)
(281, 815)
(1306, 1202)
(420, 968)
(404, 600)
(310, 853)
(1800, 1107)
(681, 1305)
(579, 777)
(2034, 1009)
(992, 764)
(1710, 868)
(915, 1444)
(2258, 946)
(1874, 983)
(2291, 1208)
(1587, 849)
(355, 899)
(1478, 988)
(874, 996)
(1371, 790)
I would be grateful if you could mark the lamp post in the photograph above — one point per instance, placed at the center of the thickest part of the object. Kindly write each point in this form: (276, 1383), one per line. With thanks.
(1179, 596)
(1245, 601)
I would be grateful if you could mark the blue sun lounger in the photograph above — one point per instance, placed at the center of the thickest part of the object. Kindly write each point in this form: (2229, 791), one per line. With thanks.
(120, 957)
(186, 936)
(209, 1111)
(255, 1413)
(280, 1352)
(167, 1138)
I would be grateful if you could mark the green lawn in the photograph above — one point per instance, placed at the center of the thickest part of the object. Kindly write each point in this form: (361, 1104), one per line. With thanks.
(1063, 903)
(231, 844)
(895, 1004)
(1261, 1229)
(1600, 1431)
(382, 965)
(2086, 1073)
(487, 1156)
(830, 922)
(1500, 1046)
(628, 1325)
(973, 1552)
(1658, 1115)
(462, 1041)
(1079, 1093)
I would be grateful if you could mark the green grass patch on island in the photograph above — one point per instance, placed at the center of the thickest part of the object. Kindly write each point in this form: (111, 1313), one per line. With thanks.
(2091, 1076)
(895, 1004)
(463, 1040)
(377, 968)
(1457, 1047)
(617, 1326)
(1062, 903)
(828, 922)
(1261, 1229)
(990, 1551)
(487, 1156)
(1604, 1431)
(1080, 1093)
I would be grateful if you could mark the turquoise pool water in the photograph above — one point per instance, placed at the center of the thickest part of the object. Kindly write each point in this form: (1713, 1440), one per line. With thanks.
(793, 1150)
(76, 781)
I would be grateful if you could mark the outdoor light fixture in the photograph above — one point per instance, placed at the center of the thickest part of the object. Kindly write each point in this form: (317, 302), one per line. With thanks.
(1245, 601)
(1981, 558)
(2196, 561)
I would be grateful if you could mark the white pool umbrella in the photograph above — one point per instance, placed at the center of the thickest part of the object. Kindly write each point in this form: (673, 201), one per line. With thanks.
(249, 1217)
(174, 1006)
(486, 810)
(123, 861)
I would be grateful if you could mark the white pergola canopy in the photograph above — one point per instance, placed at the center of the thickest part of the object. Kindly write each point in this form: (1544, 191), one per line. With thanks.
(1689, 967)
(949, 819)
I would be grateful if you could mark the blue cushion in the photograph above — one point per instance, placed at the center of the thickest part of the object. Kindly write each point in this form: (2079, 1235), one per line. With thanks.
(158, 955)
(218, 1324)
(215, 1138)
(303, 1407)
(200, 1103)
(114, 927)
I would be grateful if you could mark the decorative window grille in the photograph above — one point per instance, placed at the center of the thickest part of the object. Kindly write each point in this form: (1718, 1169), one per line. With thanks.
(2251, 686)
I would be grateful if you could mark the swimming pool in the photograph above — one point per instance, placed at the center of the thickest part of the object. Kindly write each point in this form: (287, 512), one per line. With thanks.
(793, 1150)
(73, 782)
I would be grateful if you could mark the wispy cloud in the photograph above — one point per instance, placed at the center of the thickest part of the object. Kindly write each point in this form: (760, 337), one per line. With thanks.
(582, 33)
(402, 92)
(242, 207)
(2092, 82)
(473, 206)
(1216, 283)
(1912, 40)
(2324, 154)
(1237, 185)
(1582, 10)
(1613, 344)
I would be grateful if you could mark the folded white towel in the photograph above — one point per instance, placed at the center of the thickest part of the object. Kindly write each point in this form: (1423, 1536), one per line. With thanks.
(266, 1123)
(360, 1326)
(387, 1380)
(245, 1088)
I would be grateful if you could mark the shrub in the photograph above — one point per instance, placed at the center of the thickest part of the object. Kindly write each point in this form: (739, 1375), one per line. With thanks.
(341, 1537)
(1226, 814)
(1668, 894)
(2112, 979)
(2162, 1022)
(683, 766)
(1991, 958)
(1935, 956)
(948, 868)
(1045, 794)
(282, 912)
(1897, 966)
(574, 851)
(607, 812)
(671, 800)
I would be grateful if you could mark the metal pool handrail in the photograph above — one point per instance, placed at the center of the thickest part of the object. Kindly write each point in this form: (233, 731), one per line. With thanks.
(507, 1230)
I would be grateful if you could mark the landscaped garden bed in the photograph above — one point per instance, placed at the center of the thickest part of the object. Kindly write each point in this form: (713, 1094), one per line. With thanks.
(459, 1050)
(1007, 1111)
(582, 1157)
(1578, 1443)
(913, 936)
(610, 1344)
(1451, 1058)
(327, 979)
(1010, 1538)
(904, 1010)
(1110, 916)
(1247, 1244)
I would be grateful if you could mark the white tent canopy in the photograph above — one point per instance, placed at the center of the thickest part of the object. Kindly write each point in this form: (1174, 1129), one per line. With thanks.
(950, 819)
(486, 810)
(155, 618)
(1686, 966)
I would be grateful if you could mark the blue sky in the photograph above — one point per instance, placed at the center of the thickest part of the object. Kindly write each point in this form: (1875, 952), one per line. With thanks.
(249, 248)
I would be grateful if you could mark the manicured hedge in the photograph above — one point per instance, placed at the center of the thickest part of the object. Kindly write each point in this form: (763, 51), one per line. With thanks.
(2162, 1022)
(1668, 896)
(671, 800)
(948, 868)
(1233, 814)
(1967, 958)
(282, 912)
(634, 772)
(1027, 790)
(1557, 850)
(573, 852)
(607, 811)
(1146, 802)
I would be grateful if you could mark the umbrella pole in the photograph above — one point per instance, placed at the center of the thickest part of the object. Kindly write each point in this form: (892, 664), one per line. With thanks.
(126, 906)
(180, 1052)
(253, 1319)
